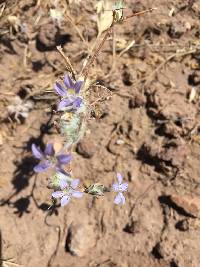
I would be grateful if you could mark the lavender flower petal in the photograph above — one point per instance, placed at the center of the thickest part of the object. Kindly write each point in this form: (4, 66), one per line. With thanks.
(49, 150)
(75, 183)
(119, 177)
(78, 86)
(63, 104)
(36, 152)
(68, 82)
(77, 102)
(123, 187)
(57, 194)
(115, 187)
(65, 200)
(119, 199)
(41, 167)
(63, 159)
(63, 184)
(60, 90)
(122, 199)
(77, 194)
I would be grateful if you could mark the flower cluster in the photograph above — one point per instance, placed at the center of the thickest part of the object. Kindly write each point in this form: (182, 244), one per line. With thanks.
(71, 99)
(72, 108)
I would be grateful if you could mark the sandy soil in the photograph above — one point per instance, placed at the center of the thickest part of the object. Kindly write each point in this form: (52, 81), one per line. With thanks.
(148, 130)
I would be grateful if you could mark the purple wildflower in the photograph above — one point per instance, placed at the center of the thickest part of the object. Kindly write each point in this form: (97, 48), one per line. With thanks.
(119, 187)
(69, 92)
(68, 191)
(49, 159)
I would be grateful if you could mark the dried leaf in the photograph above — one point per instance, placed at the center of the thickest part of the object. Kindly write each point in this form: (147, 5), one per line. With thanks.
(99, 7)
(105, 21)
(14, 22)
(105, 17)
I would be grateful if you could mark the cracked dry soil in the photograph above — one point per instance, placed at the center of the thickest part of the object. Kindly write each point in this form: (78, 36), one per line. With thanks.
(148, 130)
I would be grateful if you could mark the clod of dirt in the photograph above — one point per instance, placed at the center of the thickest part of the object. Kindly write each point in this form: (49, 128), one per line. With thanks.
(164, 80)
(176, 30)
(137, 101)
(158, 251)
(129, 77)
(80, 239)
(190, 204)
(49, 37)
(182, 225)
(86, 148)
(131, 227)
(141, 66)
(169, 129)
(196, 8)
(37, 65)
(174, 153)
(170, 156)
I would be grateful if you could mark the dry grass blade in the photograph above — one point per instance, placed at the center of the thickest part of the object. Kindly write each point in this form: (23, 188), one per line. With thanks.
(2, 7)
(69, 65)
(126, 48)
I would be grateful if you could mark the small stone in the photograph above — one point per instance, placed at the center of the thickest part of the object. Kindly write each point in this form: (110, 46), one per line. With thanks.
(120, 142)
(86, 148)
(188, 25)
(80, 239)
(189, 204)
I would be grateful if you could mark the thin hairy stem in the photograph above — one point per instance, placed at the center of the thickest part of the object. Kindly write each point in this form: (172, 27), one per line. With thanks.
(139, 13)
(86, 69)
(89, 63)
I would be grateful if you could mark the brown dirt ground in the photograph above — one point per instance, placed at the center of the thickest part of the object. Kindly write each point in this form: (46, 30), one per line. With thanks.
(148, 130)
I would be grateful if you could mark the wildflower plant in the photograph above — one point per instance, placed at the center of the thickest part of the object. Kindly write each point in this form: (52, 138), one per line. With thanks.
(72, 110)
